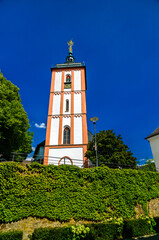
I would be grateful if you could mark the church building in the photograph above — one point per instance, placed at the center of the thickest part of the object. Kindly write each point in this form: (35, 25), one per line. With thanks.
(66, 133)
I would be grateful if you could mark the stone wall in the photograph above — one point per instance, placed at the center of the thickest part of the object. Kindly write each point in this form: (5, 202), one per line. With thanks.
(152, 207)
(29, 224)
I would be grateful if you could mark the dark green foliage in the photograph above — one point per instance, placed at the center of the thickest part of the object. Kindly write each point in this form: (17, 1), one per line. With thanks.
(112, 150)
(14, 123)
(97, 232)
(51, 234)
(12, 235)
(149, 165)
(103, 231)
(65, 192)
(156, 227)
(136, 228)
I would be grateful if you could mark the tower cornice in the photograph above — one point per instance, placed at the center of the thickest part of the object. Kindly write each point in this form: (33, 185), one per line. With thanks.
(65, 115)
(66, 66)
(68, 92)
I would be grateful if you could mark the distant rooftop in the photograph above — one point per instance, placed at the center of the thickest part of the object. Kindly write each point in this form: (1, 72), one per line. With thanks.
(155, 133)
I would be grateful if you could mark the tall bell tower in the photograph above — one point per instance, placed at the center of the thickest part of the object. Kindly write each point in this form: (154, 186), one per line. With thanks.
(66, 133)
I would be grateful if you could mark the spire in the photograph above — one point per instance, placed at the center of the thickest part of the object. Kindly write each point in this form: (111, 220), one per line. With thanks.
(70, 58)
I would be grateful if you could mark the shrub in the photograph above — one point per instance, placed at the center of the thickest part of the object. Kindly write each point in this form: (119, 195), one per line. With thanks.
(114, 229)
(79, 232)
(51, 234)
(138, 227)
(102, 231)
(12, 235)
(69, 233)
(98, 231)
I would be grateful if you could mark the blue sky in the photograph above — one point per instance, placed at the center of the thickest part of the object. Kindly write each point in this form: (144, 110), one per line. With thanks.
(117, 40)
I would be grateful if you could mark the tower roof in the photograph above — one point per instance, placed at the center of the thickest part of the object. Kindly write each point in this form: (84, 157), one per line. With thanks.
(155, 133)
(70, 60)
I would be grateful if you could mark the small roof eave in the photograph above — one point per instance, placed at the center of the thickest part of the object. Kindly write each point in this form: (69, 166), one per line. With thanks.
(155, 133)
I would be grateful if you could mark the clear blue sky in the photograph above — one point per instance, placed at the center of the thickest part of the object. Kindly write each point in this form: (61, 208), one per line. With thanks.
(119, 42)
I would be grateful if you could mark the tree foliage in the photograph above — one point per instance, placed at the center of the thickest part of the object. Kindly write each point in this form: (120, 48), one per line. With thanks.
(68, 192)
(14, 123)
(111, 149)
(149, 165)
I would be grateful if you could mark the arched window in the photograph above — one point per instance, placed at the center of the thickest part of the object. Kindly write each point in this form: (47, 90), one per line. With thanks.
(67, 105)
(66, 139)
(68, 78)
(65, 160)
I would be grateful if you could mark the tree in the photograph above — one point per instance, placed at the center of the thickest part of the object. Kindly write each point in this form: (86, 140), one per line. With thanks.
(149, 165)
(111, 149)
(14, 123)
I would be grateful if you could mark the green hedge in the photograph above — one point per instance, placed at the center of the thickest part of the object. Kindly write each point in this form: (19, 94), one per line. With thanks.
(51, 233)
(99, 231)
(12, 235)
(65, 192)
(136, 228)
(103, 231)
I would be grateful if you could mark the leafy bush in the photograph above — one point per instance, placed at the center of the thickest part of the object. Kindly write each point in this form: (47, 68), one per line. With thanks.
(79, 232)
(12, 235)
(111, 230)
(51, 234)
(102, 231)
(89, 232)
(65, 192)
(138, 227)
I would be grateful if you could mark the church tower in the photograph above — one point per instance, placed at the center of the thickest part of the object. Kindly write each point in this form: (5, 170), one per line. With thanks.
(66, 133)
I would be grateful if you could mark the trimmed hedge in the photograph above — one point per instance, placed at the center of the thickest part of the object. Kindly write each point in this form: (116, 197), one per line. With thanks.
(51, 233)
(136, 228)
(99, 231)
(65, 192)
(103, 231)
(12, 235)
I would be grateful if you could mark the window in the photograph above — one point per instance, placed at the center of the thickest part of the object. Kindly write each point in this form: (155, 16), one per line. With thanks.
(67, 105)
(65, 160)
(67, 83)
(66, 139)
